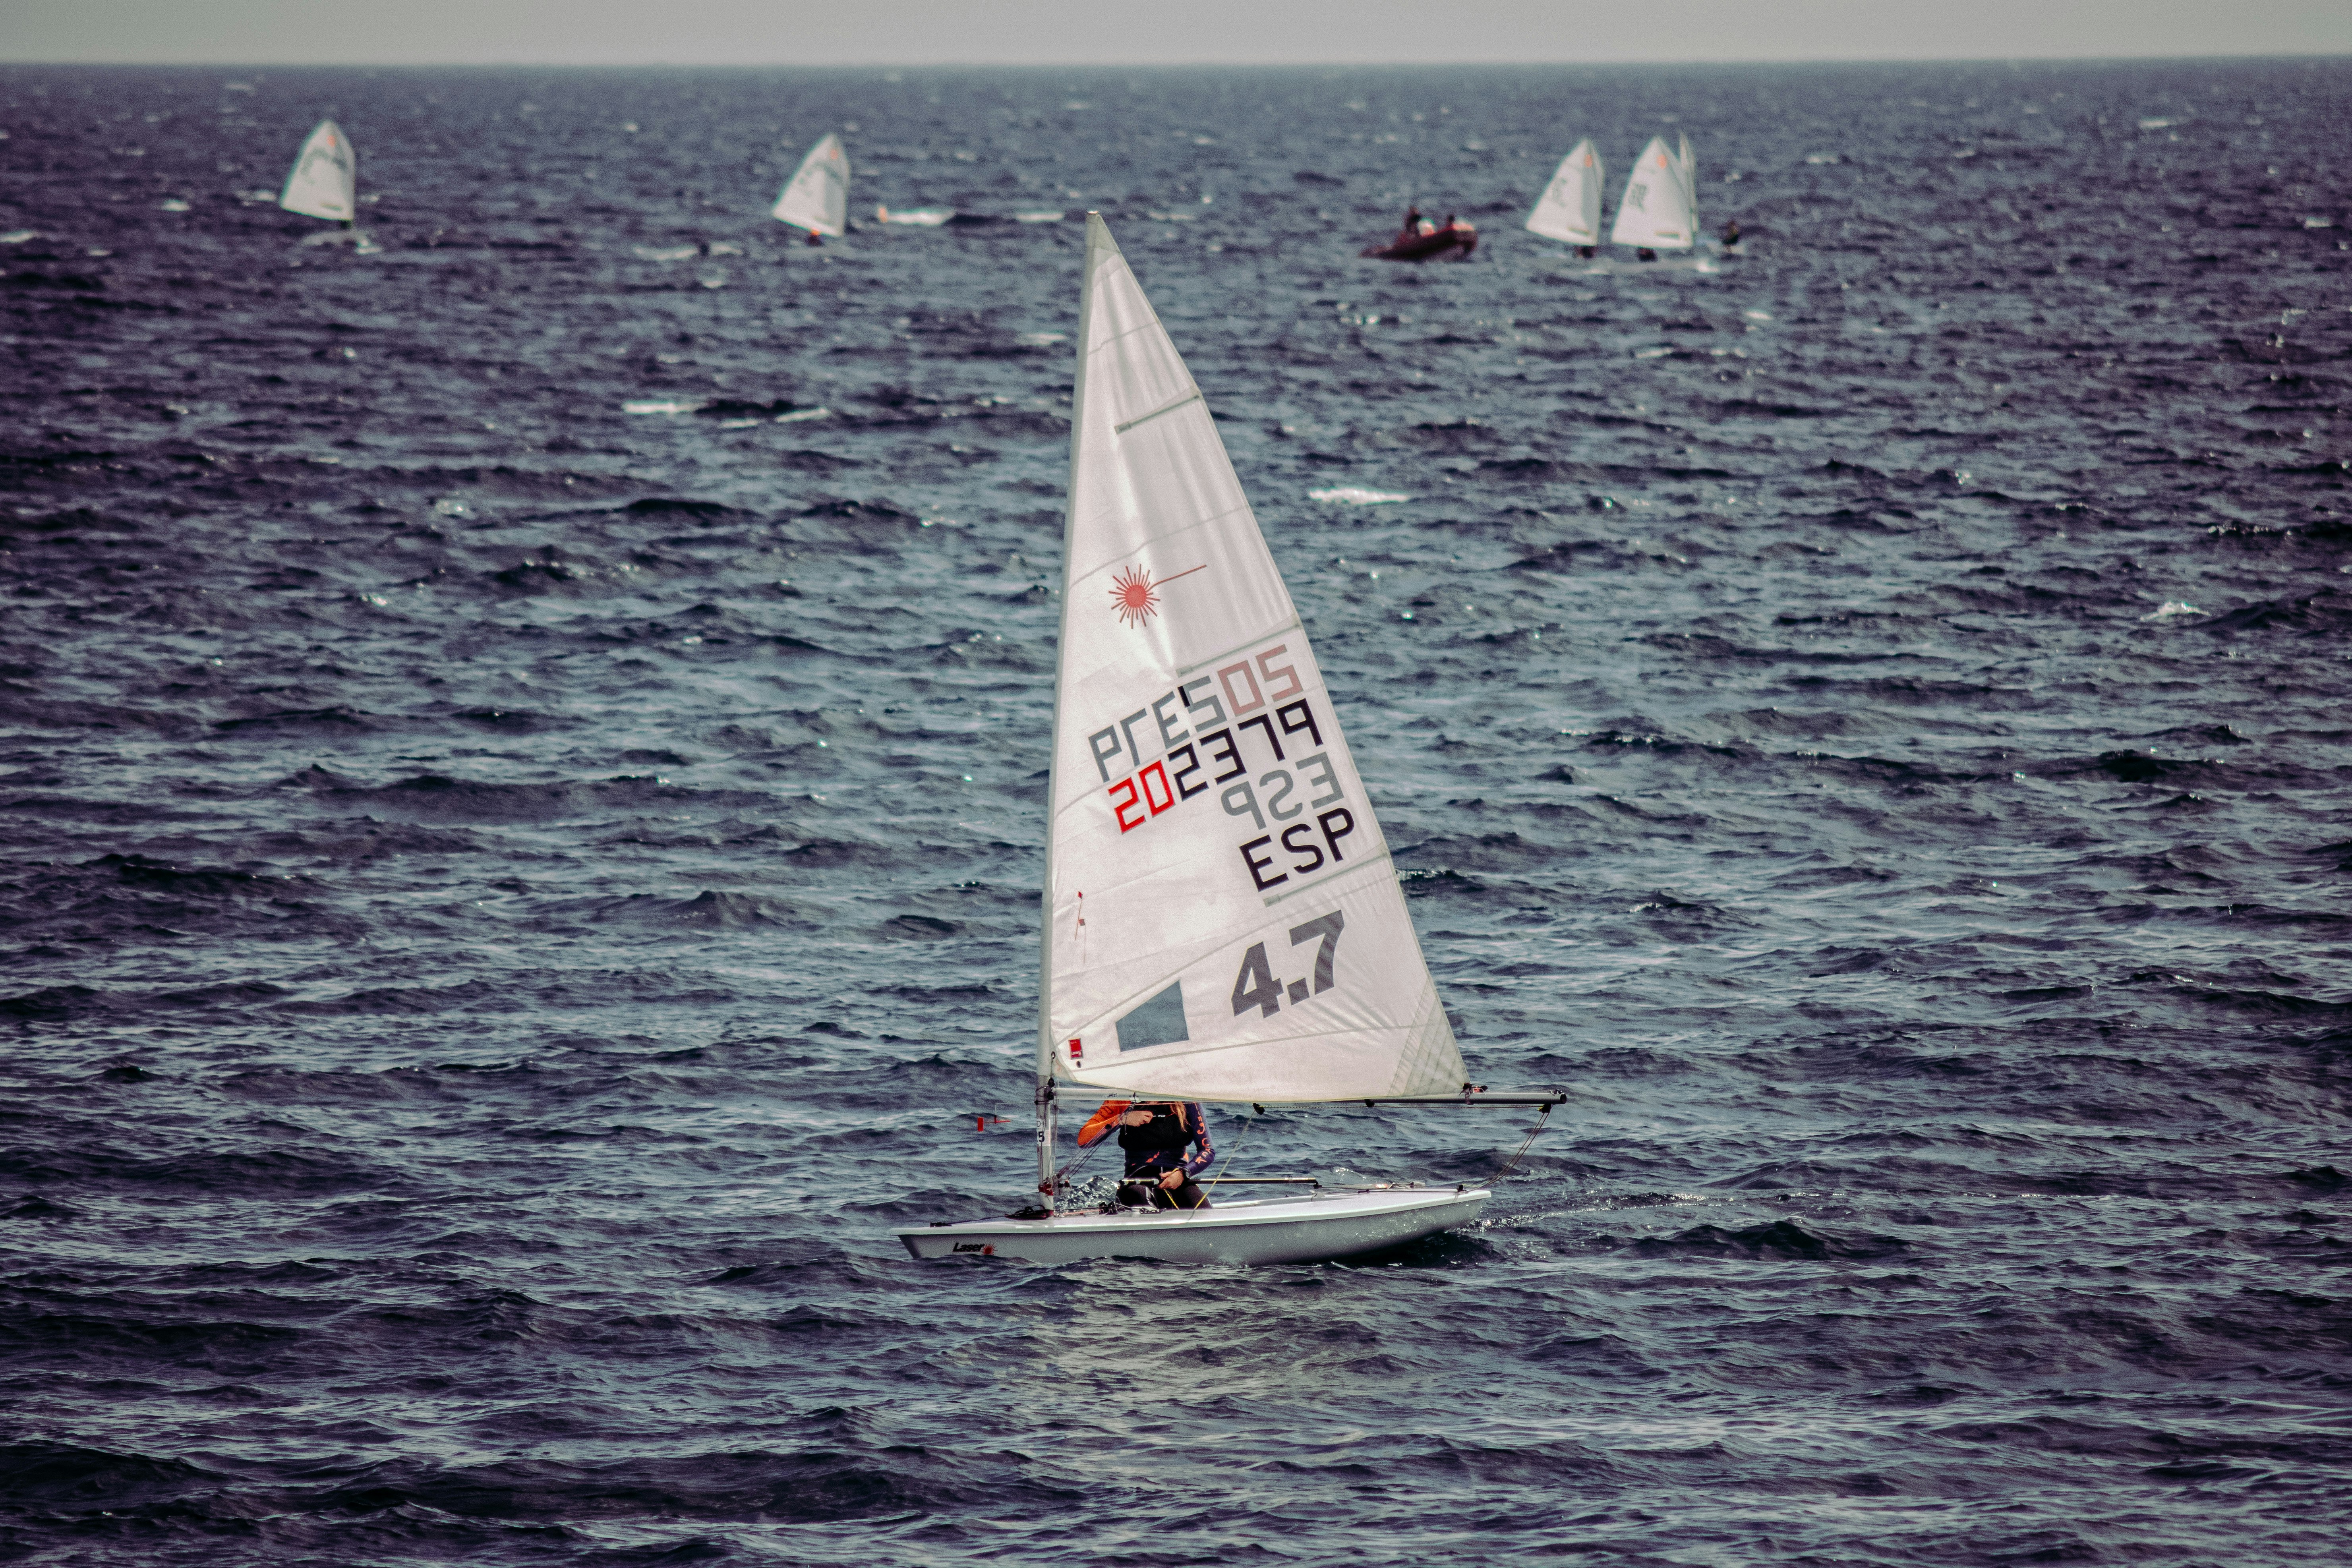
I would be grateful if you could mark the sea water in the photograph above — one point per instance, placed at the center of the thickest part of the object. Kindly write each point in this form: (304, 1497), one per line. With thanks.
(523, 745)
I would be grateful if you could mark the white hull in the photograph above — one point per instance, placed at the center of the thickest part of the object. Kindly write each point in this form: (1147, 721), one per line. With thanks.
(1252, 1230)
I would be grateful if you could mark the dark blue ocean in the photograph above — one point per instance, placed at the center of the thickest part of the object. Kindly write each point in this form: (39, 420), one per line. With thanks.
(522, 768)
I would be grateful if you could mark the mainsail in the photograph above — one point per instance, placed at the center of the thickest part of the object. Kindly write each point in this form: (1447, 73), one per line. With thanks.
(1657, 211)
(817, 198)
(1223, 921)
(324, 182)
(1569, 208)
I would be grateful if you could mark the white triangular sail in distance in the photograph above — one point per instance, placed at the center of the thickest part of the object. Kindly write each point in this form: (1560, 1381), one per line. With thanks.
(816, 197)
(1223, 921)
(1686, 164)
(325, 179)
(1569, 208)
(1656, 208)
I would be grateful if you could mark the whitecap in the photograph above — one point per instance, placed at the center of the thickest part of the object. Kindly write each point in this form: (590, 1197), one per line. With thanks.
(656, 405)
(2171, 607)
(798, 415)
(1352, 495)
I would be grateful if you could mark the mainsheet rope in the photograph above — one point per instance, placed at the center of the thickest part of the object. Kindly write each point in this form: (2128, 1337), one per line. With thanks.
(1543, 1119)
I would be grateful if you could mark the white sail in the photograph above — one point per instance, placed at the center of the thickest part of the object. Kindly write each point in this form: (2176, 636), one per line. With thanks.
(1223, 921)
(1569, 208)
(1656, 209)
(1686, 163)
(325, 179)
(816, 197)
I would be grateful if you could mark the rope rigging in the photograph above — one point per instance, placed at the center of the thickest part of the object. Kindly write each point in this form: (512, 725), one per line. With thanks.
(1543, 1118)
(1065, 1181)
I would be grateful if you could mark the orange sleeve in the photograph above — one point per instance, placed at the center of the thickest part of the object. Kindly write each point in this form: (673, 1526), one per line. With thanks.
(1101, 1123)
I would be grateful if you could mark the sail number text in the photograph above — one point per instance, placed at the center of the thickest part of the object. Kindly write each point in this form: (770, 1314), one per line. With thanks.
(1256, 986)
(1200, 732)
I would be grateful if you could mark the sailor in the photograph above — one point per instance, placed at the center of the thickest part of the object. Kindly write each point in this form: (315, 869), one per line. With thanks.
(1588, 251)
(816, 239)
(1645, 254)
(1731, 235)
(1154, 1136)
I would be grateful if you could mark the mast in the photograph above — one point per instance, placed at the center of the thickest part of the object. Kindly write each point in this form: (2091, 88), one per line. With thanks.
(1045, 1104)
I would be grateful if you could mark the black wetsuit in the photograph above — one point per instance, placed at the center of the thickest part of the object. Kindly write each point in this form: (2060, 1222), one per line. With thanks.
(1157, 1148)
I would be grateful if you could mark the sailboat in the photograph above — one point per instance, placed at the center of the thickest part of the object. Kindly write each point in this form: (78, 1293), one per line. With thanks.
(816, 197)
(1221, 918)
(1659, 209)
(1569, 208)
(324, 181)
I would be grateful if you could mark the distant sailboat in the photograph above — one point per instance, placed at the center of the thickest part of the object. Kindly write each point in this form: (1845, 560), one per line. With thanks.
(324, 181)
(816, 197)
(1569, 208)
(1657, 211)
(1221, 918)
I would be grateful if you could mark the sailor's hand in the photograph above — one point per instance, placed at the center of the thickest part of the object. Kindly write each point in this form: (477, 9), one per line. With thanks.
(1136, 1119)
(1172, 1180)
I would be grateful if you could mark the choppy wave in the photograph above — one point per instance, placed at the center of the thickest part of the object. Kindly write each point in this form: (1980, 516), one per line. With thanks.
(524, 766)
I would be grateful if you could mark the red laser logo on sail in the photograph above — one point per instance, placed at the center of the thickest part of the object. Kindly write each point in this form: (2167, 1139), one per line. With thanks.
(1134, 597)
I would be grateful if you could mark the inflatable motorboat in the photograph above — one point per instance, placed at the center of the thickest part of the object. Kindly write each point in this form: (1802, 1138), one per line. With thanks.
(1422, 240)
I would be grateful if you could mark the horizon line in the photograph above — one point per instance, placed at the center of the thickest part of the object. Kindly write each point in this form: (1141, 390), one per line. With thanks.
(1521, 64)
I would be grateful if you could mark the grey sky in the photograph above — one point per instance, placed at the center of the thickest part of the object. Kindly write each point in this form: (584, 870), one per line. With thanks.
(1169, 32)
